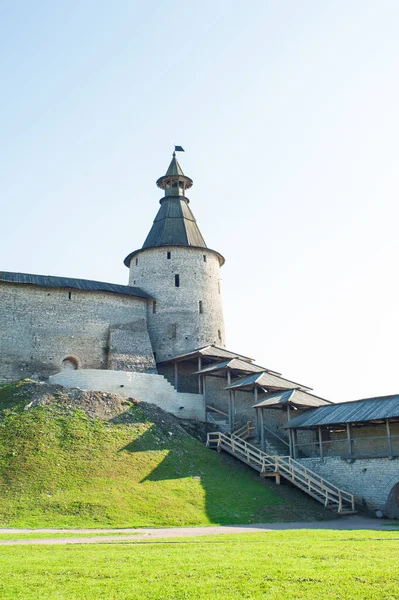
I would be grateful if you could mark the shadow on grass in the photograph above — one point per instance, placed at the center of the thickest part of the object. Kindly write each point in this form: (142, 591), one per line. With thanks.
(232, 492)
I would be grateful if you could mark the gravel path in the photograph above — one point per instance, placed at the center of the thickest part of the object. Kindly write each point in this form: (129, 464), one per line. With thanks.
(344, 523)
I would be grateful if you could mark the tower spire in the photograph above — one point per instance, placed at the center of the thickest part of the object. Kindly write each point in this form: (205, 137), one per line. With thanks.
(174, 182)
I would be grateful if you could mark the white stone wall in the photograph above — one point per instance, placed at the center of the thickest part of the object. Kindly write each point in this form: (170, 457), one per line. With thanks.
(370, 480)
(177, 326)
(40, 327)
(141, 386)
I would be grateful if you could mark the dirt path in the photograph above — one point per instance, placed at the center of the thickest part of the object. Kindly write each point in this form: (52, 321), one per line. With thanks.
(131, 535)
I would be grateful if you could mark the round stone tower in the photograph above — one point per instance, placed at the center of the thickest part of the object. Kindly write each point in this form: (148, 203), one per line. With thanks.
(181, 274)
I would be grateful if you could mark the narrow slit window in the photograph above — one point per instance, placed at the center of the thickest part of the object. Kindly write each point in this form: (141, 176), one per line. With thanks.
(200, 307)
(154, 307)
(174, 330)
(219, 286)
(177, 280)
(137, 261)
(219, 335)
(168, 254)
(204, 256)
(69, 295)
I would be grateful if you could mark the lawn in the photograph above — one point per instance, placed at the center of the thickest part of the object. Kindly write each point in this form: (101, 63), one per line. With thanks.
(60, 468)
(275, 565)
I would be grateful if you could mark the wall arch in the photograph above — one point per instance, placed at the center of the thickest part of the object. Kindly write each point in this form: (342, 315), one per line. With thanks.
(70, 363)
(392, 506)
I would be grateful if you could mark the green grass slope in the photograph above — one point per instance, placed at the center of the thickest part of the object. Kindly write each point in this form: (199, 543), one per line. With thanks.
(62, 468)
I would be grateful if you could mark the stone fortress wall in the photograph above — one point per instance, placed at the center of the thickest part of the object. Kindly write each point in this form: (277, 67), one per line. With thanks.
(44, 330)
(177, 322)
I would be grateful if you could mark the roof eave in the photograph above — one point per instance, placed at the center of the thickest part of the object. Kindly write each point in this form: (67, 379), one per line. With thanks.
(129, 257)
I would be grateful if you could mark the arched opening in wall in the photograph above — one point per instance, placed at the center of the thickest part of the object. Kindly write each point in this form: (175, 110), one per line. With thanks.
(69, 363)
(392, 507)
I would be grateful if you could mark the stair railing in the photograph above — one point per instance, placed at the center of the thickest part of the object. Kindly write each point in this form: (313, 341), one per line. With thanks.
(307, 480)
(244, 432)
(276, 436)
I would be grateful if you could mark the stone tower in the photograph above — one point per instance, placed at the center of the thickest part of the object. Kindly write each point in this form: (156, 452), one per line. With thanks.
(177, 269)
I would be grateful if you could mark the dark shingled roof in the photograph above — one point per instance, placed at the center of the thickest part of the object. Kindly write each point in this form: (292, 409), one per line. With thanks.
(174, 225)
(296, 398)
(369, 409)
(267, 381)
(210, 351)
(70, 283)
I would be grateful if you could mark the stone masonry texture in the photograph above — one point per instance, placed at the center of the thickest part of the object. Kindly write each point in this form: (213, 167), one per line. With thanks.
(41, 327)
(176, 323)
(370, 480)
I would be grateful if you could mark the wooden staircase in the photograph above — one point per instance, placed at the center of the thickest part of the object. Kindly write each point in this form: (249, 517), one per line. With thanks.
(283, 466)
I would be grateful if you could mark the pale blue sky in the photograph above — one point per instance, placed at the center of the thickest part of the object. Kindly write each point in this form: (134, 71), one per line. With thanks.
(288, 112)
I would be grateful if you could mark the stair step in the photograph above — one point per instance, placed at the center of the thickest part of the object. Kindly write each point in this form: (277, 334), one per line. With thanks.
(313, 485)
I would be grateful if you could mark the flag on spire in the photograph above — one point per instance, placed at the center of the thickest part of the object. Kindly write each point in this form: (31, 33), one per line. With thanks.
(179, 149)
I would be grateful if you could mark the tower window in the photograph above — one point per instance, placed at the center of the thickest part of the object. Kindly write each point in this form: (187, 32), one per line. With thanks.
(154, 307)
(177, 280)
(168, 254)
(69, 295)
(219, 286)
(174, 330)
(219, 335)
(137, 261)
(204, 257)
(200, 307)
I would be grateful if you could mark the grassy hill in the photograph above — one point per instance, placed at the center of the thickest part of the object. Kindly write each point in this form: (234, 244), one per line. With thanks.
(71, 459)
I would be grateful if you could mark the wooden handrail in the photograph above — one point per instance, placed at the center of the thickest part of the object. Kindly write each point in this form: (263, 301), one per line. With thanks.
(216, 410)
(244, 430)
(289, 468)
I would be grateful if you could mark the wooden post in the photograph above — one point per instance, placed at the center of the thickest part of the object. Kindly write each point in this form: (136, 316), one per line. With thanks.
(262, 432)
(176, 377)
(228, 378)
(257, 431)
(204, 394)
(294, 442)
(230, 416)
(320, 442)
(233, 408)
(389, 437)
(348, 432)
(199, 376)
(290, 441)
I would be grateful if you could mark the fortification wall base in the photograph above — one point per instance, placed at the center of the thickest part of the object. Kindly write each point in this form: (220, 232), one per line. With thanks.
(147, 387)
(370, 479)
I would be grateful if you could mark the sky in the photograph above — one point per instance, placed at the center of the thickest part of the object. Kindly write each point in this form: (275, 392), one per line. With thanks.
(288, 113)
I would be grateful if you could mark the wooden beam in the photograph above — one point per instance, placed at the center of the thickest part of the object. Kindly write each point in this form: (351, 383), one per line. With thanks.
(320, 442)
(348, 433)
(290, 441)
(204, 394)
(199, 376)
(294, 443)
(176, 377)
(230, 413)
(257, 432)
(262, 432)
(389, 437)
